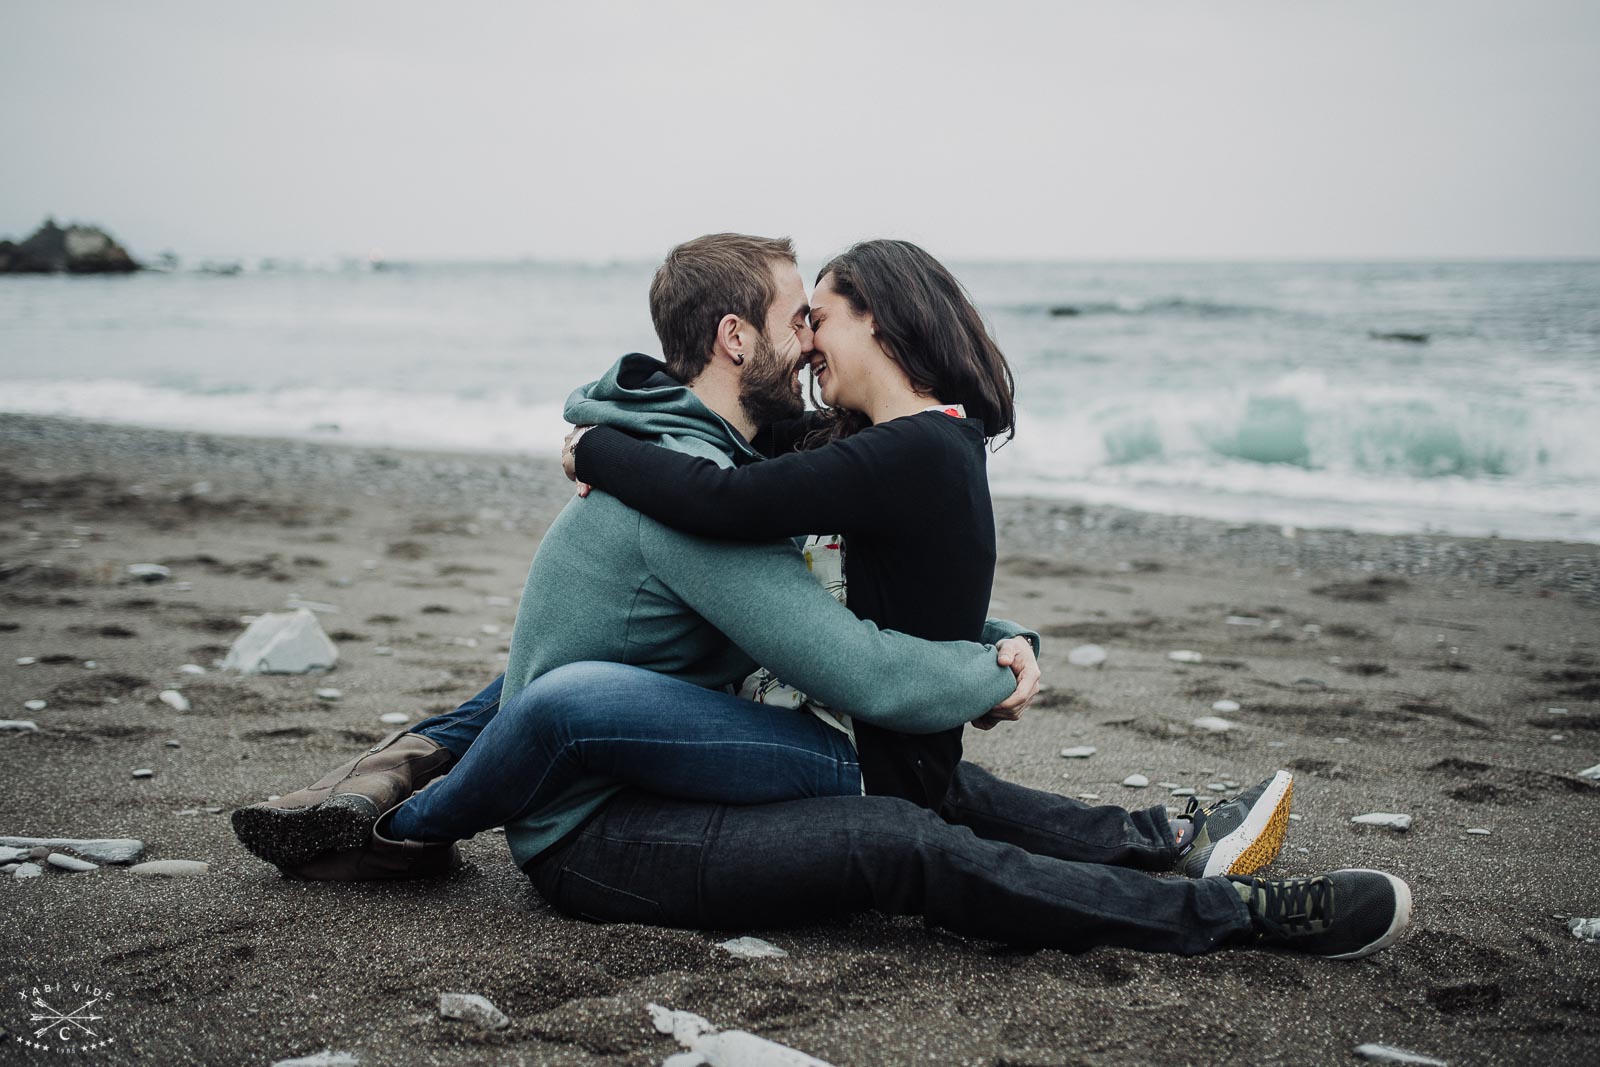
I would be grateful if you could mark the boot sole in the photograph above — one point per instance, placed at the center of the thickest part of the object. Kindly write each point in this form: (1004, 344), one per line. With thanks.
(1397, 926)
(288, 837)
(1259, 839)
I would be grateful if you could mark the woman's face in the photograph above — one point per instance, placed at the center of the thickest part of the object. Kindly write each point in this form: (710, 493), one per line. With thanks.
(844, 355)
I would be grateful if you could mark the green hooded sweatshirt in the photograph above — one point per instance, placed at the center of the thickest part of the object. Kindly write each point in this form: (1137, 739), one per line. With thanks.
(610, 584)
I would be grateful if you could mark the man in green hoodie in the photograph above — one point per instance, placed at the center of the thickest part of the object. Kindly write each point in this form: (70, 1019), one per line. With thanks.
(609, 584)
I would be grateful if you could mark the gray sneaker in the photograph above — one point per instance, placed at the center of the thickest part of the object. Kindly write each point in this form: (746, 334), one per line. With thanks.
(1343, 916)
(1242, 835)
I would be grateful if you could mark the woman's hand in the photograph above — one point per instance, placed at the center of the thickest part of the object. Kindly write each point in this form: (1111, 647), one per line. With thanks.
(569, 458)
(1016, 653)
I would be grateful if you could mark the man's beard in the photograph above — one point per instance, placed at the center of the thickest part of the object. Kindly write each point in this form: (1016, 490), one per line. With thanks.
(766, 392)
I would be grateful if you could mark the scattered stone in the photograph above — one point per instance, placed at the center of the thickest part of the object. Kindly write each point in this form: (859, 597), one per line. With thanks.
(1087, 656)
(11, 855)
(1556, 711)
(1296, 817)
(1225, 705)
(330, 694)
(187, 811)
(1389, 819)
(1215, 787)
(148, 572)
(1242, 620)
(27, 661)
(1338, 740)
(1185, 655)
(1169, 785)
(102, 850)
(18, 726)
(282, 643)
(727, 1048)
(170, 868)
(1229, 783)
(1183, 791)
(1136, 781)
(1088, 796)
(27, 870)
(35, 705)
(382, 650)
(1390, 1054)
(394, 718)
(1585, 929)
(212, 811)
(144, 772)
(471, 1008)
(173, 744)
(174, 700)
(1213, 723)
(325, 1058)
(751, 948)
(1592, 773)
(489, 629)
(1478, 831)
(70, 863)
(1078, 752)
(191, 668)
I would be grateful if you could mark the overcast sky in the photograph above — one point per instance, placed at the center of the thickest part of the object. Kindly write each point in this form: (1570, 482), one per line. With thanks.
(1283, 128)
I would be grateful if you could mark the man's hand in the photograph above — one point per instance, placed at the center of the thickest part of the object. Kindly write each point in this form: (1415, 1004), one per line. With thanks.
(1016, 653)
(569, 458)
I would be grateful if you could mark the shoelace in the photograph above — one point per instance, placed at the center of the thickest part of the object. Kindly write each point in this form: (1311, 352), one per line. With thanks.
(1295, 906)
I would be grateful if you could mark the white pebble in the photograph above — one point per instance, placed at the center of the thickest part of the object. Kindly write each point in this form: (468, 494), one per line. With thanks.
(394, 718)
(1087, 656)
(383, 650)
(1078, 752)
(1296, 817)
(1088, 796)
(1229, 783)
(751, 948)
(1585, 929)
(1390, 1054)
(170, 868)
(329, 694)
(471, 1008)
(173, 744)
(174, 699)
(1242, 620)
(18, 726)
(489, 629)
(1592, 772)
(1136, 781)
(70, 863)
(325, 1058)
(27, 870)
(1556, 711)
(1392, 820)
(1225, 705)
(1213, 724)
(1339, 741)
(1478, 831)
(89, 664)
(191, 668)
(27, 661)
(1215, 787)
(1185, 655)
(1169, 785)
(148, 572)
(144, 772)
(35, 705)
(1183, 791)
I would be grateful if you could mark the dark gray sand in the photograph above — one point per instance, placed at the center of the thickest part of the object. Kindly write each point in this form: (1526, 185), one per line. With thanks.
(1426, 691)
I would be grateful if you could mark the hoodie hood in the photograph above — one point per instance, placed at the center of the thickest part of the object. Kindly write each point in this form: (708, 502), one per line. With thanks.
(637, 395)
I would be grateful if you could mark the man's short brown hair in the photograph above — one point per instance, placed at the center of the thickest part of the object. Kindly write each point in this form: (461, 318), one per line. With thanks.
(704, 279)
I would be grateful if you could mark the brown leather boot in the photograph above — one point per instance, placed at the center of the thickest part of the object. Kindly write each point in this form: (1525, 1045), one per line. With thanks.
(338, 811)
(381, 858)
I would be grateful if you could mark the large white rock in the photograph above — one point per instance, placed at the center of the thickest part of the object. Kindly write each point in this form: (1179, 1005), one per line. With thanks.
(471, 1008)
(1136, 781)
(101, 850)
(1390, 1054)
(1390, 819)
(727, 1048)
(27, 870)
(1087, 656)
(282, 643)
(751, 948)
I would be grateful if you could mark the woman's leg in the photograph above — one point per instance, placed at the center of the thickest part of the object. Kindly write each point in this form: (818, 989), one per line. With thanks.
(589, 721)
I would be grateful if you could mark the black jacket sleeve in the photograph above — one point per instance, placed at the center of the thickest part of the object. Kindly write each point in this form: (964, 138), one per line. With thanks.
(859, 484)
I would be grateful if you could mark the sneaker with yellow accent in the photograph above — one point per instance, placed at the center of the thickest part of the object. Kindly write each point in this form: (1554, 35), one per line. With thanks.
(1242, 835)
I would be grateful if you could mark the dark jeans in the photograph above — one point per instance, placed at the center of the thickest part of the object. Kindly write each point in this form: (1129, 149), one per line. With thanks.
(1050, 876)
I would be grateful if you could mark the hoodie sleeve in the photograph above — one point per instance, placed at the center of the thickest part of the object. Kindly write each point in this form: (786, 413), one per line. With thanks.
(765, 600)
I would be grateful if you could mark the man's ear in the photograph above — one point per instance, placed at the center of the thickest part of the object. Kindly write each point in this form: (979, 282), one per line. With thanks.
(731, 331)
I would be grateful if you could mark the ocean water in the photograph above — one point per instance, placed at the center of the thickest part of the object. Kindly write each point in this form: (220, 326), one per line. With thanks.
(1248, 392)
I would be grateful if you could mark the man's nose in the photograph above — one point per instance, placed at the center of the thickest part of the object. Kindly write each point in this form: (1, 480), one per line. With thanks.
(807, 340)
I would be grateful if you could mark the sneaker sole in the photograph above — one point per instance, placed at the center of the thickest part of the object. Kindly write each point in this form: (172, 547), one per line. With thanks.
(1259, 838)
(1402, 917)
(288, 837)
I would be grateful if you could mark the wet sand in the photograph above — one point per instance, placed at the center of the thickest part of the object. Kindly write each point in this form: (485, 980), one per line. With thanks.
(1412, 674)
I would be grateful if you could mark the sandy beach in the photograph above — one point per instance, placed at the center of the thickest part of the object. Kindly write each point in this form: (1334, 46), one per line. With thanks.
(1454, 680)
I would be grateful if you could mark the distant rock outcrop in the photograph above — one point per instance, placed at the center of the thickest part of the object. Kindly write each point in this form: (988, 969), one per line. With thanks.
(71, 250)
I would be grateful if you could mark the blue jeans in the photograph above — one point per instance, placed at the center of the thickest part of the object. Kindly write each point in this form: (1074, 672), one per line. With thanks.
(628, 724)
